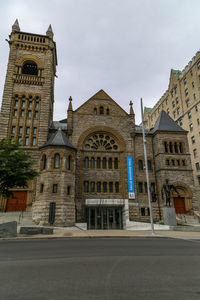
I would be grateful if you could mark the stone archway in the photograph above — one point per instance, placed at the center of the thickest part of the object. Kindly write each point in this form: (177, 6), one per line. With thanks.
(104, 130)
(22, 59)
(183, 201)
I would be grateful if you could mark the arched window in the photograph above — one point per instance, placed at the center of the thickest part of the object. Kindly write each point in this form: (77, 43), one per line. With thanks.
(110, 187)
(92, 186)
(116, 163)
(107, 111)
(44, 162)
(86, 186)
(41, 188)
(181, 147)
(98, 162)
(57, 161)
(101, 110)
(86, 162)
(30, 68)
(95, 111)
(69, 190)
(105, 187)
(117, 187)
(110, 163)
(99, 140)
(99, 187)
(55, 188)
(69, 162)
(140, 164)
(170, 147)
(149, 165)
(92, 163)
(104, 163)
(175, 147)
(166, 147)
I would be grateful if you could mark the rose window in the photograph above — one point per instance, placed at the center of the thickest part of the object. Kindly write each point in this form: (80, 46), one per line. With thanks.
(101, 141)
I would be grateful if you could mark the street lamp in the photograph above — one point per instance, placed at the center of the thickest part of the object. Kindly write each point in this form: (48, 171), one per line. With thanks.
(146, 167)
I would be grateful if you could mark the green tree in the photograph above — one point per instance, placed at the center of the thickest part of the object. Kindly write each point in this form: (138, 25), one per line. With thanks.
(15, 166)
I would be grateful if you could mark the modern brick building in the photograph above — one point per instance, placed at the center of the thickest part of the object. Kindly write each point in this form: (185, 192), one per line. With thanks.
(83, 159)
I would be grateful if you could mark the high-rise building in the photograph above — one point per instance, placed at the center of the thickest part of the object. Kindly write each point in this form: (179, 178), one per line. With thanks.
(181, 102)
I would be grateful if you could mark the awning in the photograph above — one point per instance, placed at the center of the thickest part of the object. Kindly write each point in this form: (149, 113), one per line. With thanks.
(105, 202)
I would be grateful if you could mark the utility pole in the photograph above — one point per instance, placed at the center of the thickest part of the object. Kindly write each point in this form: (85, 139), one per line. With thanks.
(146, 167)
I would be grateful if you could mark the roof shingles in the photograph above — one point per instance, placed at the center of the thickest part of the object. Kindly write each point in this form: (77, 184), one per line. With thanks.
(165, 123)
(58, 139)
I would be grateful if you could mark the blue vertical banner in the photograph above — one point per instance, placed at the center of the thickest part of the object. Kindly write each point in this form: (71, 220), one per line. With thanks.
(131, 187)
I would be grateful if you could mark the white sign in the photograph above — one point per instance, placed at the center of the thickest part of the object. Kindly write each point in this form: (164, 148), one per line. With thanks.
(131, 195)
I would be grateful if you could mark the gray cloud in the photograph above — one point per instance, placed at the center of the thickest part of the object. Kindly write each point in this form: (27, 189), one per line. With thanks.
(125, 47)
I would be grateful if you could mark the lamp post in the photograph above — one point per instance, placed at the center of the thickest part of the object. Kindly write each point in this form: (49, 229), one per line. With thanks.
(146, 167)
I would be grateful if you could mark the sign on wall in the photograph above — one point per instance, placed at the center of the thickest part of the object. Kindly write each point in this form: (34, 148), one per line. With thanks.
(131, 187)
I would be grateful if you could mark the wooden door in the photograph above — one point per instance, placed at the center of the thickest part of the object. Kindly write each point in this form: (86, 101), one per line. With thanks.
(179, 205)
(18, 202)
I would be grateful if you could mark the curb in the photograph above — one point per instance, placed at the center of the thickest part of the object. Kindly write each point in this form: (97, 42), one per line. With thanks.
(83, 237)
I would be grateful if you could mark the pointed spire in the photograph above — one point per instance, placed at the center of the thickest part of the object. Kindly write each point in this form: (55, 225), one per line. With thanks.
(70, 104)
(49, 32)
(131, 108)
(15, 27)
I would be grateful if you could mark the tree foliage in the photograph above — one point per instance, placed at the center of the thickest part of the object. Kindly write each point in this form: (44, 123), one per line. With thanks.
(15, 166)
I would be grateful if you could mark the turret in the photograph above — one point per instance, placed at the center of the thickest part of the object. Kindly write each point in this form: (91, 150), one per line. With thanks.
(49, 32)
(132, 118)
(15, 27)
(131, 109)
(56, 182)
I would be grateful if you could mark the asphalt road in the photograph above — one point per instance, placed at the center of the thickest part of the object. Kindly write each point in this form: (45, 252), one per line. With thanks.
(109, 269)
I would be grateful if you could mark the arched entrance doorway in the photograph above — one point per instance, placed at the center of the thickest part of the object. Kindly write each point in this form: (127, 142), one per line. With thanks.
(179, 205)
(102, 180)
(183, 201)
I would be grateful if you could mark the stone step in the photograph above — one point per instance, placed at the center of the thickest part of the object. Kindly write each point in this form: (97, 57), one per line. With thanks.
(22, 218)
(188, 219)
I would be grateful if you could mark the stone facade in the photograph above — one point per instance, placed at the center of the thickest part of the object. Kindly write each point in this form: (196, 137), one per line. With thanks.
(82, 159)
(181, 101)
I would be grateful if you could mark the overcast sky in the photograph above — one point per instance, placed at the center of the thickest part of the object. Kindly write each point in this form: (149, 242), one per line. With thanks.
(125, 47)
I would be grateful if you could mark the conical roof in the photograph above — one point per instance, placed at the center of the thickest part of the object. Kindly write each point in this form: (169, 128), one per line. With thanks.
(165, 123)
(58, 139)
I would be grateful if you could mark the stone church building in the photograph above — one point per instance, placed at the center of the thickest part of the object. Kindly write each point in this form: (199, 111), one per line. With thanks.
(83, 159)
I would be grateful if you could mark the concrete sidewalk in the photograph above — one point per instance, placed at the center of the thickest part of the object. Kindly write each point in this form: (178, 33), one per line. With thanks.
(74, 232)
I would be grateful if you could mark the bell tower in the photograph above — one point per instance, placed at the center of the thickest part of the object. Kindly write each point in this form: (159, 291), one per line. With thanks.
(28, 97)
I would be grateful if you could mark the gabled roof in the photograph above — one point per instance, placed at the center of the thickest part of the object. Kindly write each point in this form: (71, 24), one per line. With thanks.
(165, 123)
(58, 139)
(101, 95)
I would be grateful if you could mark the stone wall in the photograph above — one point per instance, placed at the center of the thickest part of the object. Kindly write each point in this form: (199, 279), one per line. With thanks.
(63, 197)
(180, 176)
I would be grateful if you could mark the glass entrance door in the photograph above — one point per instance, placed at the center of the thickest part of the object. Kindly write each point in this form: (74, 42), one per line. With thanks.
(104, 217)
